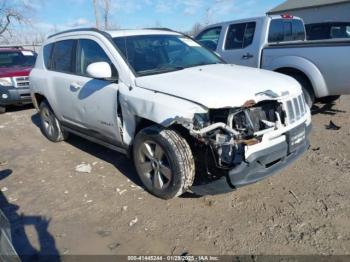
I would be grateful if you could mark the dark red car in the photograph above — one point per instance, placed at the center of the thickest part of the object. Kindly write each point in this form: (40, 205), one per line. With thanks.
(15, 66)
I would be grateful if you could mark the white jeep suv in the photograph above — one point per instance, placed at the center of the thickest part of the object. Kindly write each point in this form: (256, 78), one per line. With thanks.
(190, 121)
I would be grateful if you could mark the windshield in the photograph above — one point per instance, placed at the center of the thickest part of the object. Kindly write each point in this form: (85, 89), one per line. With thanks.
(17, 58)
(155, 54)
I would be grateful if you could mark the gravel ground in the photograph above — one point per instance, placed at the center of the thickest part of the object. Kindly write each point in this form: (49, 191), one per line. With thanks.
(54, 209)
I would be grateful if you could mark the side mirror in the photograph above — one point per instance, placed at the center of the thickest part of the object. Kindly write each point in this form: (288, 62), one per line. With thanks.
(99, 70)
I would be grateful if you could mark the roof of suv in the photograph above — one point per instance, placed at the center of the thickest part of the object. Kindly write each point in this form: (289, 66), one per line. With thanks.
(11, 49)
(120, 33)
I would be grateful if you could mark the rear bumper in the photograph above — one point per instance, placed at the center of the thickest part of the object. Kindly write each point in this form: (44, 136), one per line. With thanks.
(262, 164)
(12, 96)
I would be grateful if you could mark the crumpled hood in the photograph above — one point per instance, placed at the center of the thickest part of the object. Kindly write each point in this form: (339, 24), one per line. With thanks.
(15, 71)
(221, 85)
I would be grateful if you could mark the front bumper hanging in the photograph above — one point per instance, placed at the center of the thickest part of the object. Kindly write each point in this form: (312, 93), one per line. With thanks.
(261, 165)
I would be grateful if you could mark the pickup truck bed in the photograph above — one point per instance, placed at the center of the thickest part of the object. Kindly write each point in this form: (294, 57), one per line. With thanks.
(319, 60)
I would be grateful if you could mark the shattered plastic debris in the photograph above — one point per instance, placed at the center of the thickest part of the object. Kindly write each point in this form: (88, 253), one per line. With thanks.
(133, 222)
(4, 189)
(2, 127)
(125, 208)
(332, 126)
(113, 246)
(83, 168)
(3, 163)
(122, 192)
(12, 199)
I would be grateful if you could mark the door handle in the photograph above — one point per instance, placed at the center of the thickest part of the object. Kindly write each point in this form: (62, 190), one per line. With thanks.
(75, 87)
(247, 56)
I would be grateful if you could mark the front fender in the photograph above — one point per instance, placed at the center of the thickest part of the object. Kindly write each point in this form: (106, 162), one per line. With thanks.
(307, 67)
(157, 107)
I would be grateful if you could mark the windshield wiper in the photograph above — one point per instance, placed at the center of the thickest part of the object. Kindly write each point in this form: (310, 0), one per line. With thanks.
(203, 64)
(160, 70)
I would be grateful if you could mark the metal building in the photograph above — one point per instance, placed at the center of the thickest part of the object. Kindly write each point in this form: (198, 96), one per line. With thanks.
(315, 11)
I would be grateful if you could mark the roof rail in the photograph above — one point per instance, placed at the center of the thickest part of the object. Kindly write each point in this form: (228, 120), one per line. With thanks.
(160, 28)
(79, 30)
(12, 46)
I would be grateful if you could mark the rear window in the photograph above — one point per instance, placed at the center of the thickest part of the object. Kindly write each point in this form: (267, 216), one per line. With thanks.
(283, 30)
(17, 58)
(63, 56)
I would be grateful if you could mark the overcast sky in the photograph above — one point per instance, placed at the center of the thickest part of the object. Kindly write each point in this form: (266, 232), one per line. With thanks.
(175, 14)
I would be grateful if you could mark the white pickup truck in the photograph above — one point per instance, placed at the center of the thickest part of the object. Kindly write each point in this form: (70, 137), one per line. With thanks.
(278, 43)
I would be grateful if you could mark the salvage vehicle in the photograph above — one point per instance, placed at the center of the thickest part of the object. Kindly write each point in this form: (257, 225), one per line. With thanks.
(15, 66)
(189, 121)
(278, 43)
(327, 30)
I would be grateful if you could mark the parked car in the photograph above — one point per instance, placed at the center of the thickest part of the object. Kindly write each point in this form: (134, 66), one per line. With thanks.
(15, 66)
(190, 121)
(278, 43)
(328, 30)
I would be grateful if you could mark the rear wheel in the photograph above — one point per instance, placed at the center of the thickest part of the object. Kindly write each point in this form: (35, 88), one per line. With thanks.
(328, 99)
(2, 109)
(50, 126)
(164, 162)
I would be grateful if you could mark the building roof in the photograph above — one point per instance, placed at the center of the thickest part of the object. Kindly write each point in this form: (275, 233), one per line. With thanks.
(302, 4)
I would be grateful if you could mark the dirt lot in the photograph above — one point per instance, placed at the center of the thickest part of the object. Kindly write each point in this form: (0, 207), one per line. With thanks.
(54, 209)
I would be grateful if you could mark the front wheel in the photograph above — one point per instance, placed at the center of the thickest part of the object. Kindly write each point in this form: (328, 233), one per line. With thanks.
(50, 126)
(2, 109)
(164, 162)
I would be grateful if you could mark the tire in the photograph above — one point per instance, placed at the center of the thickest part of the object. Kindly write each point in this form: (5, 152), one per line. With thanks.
(164, 162)
(307, 89)
(2, 109)
(50, 126)
(328, 99)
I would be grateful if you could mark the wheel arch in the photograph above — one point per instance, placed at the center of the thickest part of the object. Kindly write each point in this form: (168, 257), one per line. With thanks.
(292, 71)
(304, 66)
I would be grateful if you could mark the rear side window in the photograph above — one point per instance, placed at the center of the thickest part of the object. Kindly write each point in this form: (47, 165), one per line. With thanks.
(210, 38)
(283, 30)
(63, 56)
(47, 55)
(88, 52)
(240, 36)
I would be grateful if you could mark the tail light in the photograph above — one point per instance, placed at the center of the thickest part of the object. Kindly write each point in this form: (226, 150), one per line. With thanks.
(285, 16)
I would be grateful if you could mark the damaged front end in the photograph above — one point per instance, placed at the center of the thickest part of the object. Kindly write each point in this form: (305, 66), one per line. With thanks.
(233, 140)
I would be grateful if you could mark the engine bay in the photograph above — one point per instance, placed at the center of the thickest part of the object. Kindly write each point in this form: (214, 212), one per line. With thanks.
(228, 131)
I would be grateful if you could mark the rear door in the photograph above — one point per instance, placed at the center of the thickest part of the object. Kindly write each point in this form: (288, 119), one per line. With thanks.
(238, 45)
(62, 67)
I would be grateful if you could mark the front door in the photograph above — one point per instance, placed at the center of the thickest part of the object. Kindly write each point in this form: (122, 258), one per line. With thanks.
(95, 100)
